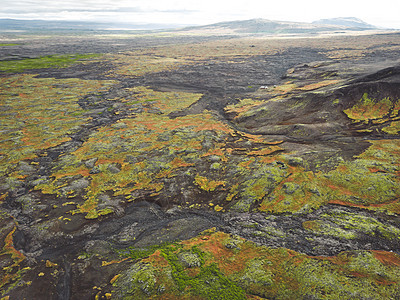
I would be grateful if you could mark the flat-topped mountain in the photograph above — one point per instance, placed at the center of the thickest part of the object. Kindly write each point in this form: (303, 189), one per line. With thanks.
(347, 22)
(284, 27)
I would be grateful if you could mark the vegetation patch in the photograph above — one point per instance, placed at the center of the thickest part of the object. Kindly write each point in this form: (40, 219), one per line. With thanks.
(244, 270)
(369, 109)
(370, 181)
(38, 114)
(50, 61)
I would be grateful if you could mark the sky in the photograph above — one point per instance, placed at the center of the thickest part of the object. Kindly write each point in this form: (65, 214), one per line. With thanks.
(383, 13)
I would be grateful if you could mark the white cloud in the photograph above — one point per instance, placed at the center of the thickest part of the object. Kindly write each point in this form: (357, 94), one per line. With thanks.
(381, 13)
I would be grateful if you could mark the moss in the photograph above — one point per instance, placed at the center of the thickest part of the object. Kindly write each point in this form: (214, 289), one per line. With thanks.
(369, 109)
(233, 268)
(321, 227)
(317, 85)
(206, 184)
(147, 149)
(272, 232)
(243, 106)
(369, 278)
(232, 243)
(256, 274)
(12, 271)
(39, 114)
(258, 184)
(295, 193)
(190, 259)
(138, 282)
(393, 128)
(348, 225)
(50, 61)
(370, 181)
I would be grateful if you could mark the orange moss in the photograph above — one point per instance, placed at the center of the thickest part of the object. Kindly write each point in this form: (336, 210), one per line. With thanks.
(207, 184)
(11, 271)
(317, 85)
(387, 258)
(107, 263)
(177, 162)
(216, 151)
(9, 249)
(246, 164)
(266, 151)
(3, 196)
(285, 88)
(114, 279)
(369, 109)
(157, 260)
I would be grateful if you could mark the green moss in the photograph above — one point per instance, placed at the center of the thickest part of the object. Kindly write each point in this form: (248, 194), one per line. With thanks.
(50, 61)
(321, 227)
(351, 182)
(348, 225)
(319, 279)
(209, 283)
(232, 268)
(260, 182)
(369, 181)
(233, 243)
(271, 231)
(256, 274)
(138, 282)
(190, 259)
(138, 253)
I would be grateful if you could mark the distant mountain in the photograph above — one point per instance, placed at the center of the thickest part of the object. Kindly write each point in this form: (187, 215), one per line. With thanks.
(256, 26)
(253, 26)
(44, 25)
(346, 22)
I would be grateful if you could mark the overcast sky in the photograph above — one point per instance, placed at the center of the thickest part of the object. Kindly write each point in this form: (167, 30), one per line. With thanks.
(384, 13)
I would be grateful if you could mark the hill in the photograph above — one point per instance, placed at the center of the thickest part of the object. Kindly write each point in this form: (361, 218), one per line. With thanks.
(45, 26)
(252, 26)
(346, 22)
(263, 26)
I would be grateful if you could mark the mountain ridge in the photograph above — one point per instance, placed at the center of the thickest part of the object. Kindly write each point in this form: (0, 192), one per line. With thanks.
(250, 26)
(283, 27)
(345, 21)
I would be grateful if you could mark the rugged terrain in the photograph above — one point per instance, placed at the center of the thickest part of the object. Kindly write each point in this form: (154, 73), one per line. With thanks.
(188, 167)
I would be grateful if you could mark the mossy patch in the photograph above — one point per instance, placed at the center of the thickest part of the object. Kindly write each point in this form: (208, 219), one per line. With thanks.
(393, 128)
(232, 268)
(370, 181)
(50, 61)
(38, 114)
(369, 109)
